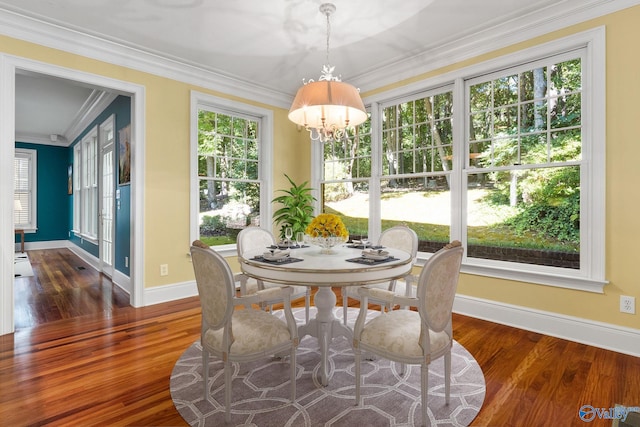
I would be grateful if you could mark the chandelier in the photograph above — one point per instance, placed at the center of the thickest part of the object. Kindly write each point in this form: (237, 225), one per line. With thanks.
(327, 107)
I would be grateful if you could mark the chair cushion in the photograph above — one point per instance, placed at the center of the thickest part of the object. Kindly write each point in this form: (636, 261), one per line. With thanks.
(398, 332)
(298, 291)
(353, 290)
(254, 331)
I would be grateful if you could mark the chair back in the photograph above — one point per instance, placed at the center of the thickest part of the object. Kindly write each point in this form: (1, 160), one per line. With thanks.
(400, 237)
(437, 286)
(254, 238)
(216, 288)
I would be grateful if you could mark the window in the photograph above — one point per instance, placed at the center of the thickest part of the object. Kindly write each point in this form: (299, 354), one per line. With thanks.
(347, 170)
(25, 185)
(497, 155)
(523, 166)
(85, 200)
(229, 169)
(416, 157)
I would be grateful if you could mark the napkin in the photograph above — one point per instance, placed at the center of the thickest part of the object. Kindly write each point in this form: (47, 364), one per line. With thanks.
(275, 254)
(375, 254)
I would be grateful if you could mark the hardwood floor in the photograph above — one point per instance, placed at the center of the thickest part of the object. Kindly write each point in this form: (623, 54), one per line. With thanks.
(112, 366)
(63, 286)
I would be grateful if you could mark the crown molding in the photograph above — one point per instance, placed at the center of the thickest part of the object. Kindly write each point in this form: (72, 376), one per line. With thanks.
(543, 21)
(32, 138)
(57, 37)
(95, 104)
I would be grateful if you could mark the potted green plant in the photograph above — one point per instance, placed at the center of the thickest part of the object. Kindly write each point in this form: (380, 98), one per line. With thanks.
(296, 209)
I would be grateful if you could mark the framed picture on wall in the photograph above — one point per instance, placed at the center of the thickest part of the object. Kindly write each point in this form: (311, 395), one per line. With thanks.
(70, 179)
(124, 155)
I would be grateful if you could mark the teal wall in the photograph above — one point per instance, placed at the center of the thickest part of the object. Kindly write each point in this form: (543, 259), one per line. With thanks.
(121, 108)
(52, 216)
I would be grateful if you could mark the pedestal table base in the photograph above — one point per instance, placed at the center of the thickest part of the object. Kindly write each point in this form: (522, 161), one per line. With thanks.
(325, 326)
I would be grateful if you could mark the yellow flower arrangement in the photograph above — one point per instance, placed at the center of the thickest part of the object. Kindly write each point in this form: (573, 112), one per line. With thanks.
(327, 225)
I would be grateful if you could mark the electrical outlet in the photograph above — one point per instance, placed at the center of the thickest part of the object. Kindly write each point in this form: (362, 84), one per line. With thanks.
(627, 304)
(164, 269)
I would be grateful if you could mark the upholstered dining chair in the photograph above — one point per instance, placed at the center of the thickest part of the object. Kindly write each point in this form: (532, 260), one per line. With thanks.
(398, 237)
(414, 337)
(258, 239)
(238, 335)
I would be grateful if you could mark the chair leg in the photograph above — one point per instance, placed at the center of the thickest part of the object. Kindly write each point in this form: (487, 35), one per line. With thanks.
(345, 306)
(307, 304)
(227, 391)
(424, 392)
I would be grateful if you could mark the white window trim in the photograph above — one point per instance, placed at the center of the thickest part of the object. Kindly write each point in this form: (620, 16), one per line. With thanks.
(83, 192)
(32, 155)
(202, 100)
(77, 171)
(591, 276)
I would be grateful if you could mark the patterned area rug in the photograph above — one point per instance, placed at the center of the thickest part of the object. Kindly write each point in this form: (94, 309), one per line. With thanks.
(22, 265)
(261, 389)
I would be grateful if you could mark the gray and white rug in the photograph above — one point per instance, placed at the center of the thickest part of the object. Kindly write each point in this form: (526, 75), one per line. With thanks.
(260, 393)
(22, 265)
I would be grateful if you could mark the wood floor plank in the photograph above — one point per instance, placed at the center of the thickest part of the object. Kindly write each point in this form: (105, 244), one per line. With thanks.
(102, 362)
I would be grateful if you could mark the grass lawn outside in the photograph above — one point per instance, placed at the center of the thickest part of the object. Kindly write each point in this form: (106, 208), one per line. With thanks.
(429, 214)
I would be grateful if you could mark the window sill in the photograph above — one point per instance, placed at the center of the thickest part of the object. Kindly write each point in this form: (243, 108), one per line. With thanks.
(547, 276)
(88, 239)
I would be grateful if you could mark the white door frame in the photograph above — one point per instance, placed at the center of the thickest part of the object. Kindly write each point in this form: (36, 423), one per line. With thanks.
(8, 66)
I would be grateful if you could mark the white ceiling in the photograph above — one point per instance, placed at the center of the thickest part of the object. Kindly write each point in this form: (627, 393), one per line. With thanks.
(274, 44)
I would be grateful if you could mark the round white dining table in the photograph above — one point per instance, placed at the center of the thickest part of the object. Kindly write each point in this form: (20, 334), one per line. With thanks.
(325, 271)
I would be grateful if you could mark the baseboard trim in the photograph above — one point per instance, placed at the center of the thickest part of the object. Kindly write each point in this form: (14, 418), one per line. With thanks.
(48, 244)
(122, 281)
(172, 292)
(119, 279)
(597, 334)
(90, 259)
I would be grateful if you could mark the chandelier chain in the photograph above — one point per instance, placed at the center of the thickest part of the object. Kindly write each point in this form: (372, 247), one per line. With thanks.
(328, 34)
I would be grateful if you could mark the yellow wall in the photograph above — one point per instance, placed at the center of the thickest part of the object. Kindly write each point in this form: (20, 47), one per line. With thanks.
(166, 192)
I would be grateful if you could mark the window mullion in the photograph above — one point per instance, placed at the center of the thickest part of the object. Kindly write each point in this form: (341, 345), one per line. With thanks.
(376, 172)
(460, 163)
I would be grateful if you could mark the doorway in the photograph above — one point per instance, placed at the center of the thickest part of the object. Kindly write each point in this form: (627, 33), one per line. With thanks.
(12, 65)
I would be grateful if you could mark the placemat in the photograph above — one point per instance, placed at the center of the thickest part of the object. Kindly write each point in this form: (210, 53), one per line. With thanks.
(369, 261)
(287, 260)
